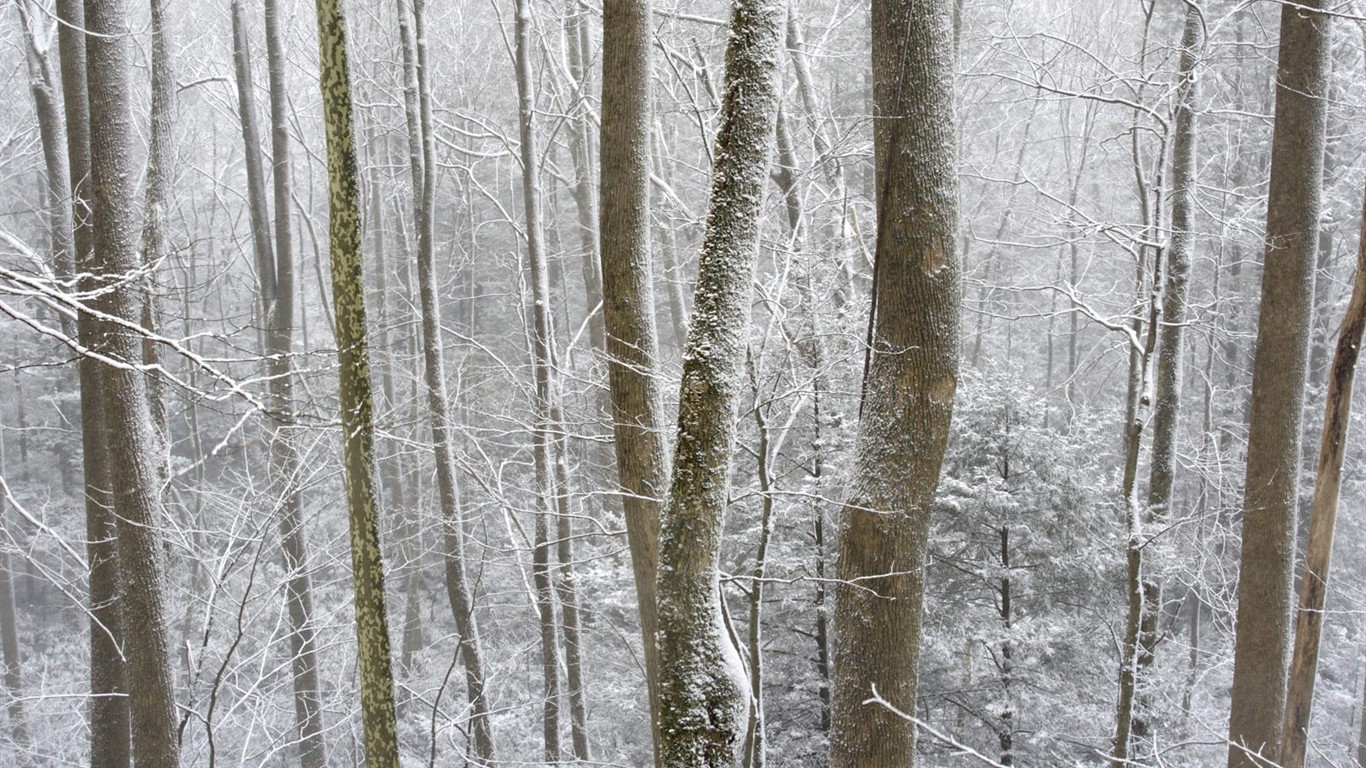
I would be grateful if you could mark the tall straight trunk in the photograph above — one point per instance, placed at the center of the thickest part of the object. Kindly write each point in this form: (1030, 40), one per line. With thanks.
(756, 738)
(109, 730)
(566, 590)
(257, 204)
(1323, 515)
(13, 677)
(910, 376)
(1144, 603)
(423, 167)
(703, 691)
(580, 142)
(1266, 568)
(632, 343)
(541, 340)
(52, 135)
(134, 470)
(160, 173)
(286, 463)
(378, 719)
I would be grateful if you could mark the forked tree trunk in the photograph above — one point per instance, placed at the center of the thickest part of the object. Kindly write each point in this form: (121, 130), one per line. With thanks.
(629, 307)
(378, 719)
(703, 690)
(134, 470)
(1323, 515)
(109, 731)
(1262, 639)
(910, 376)
(423, 168)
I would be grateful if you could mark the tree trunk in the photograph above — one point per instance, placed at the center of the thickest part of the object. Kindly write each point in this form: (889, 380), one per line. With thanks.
(423, 168)
(541, 341)
(910, 377)
(286, 463)
(567, 593)
(1144, 594)
(257, 204)
(109, 728)
(632, 344)
(15, 708)
(703, 691)
(134, 470)
(1318, 553)
(160, 174)
(1278, 381)
(357, 403)
(51, 134)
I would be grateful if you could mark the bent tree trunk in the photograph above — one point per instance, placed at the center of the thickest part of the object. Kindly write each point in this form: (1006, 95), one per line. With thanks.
(1323, 515)
(1262, 638)
(704, 696)
(629, 306)
(134, 472)
(378, 718)
(910, 376)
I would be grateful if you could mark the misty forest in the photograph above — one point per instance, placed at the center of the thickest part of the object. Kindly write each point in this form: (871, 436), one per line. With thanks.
(682, 383)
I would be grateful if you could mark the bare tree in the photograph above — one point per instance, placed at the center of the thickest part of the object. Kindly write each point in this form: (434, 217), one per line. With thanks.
(910, 376)
(378, 715)
(704, 694)
(1278, 380)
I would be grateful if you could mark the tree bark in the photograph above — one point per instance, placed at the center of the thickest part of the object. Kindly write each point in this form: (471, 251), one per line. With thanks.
(1278, 381)
(1323, 515)
(357, 403)
(423, 167)
(110, 746)
(703, 691)
(135, 470)
(632, 344)
(542, 338)
(286, 463)
(910, 377)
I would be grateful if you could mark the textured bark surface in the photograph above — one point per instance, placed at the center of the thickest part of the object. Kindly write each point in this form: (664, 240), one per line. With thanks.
(629, 305)
(1262, 637)
(357, 403)
(908, 389)
(423, 167)
(134, 471)
(704, 695)
(1323, 516)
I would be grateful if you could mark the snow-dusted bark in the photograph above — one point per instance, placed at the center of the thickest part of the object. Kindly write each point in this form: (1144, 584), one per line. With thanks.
(632, 344)
(910, 378)
(1262, 640)
(423, 168)
(1144, 594)
(134, 467)
(378, 717)
(704, 694)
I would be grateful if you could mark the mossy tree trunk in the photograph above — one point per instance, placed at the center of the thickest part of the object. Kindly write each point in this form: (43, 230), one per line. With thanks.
(378, 718)
(704, 693)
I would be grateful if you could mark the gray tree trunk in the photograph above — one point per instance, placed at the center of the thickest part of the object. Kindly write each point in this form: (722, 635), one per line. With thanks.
(378, 717)
(135, 473)
(109, 730)
(1262, 639)
(910, 377)
(423, 167)
(632, 344)
(703, 691)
